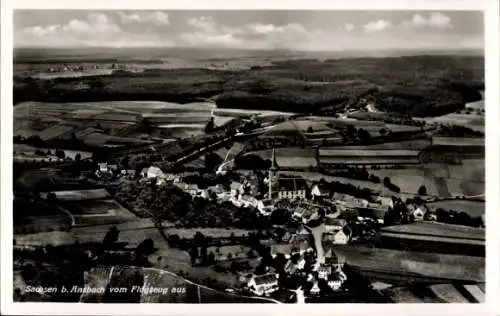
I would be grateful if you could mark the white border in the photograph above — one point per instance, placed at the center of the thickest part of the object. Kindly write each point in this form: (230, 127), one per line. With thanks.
(491, 9)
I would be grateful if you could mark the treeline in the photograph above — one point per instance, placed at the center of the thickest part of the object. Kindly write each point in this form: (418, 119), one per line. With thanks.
(446, 130)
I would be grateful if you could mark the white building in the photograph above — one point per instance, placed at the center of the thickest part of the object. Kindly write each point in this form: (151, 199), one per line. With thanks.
(152, 172)
(320, 190)
(263, 284)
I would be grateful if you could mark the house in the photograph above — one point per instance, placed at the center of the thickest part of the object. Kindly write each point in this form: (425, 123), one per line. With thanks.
(324, 270)
(266, 206)
(342, 236)
(291, 267)
(263, 284)
(385, 201)
(336, 279)
(418, 213)
(248, 201)
(152, 172)
(314, 289)
(102, 167)
(320, 190)
(430, 216)
(337, 261)
(113, 167)
(189, 188)
(236, 188)
(334, 224)
(129, 173)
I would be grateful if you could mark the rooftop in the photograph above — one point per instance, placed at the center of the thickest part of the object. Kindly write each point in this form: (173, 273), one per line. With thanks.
(292, 184)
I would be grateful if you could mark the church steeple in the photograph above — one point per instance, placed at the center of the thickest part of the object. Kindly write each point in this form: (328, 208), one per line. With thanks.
(272, 174)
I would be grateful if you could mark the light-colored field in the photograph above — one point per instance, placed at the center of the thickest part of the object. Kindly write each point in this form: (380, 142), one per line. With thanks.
(409, 179)
(473, 208)
(465, 179)
(402, 128)
(77, 195)
(472, 121)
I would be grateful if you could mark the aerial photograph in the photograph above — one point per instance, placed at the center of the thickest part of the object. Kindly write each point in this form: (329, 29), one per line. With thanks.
(248, 156)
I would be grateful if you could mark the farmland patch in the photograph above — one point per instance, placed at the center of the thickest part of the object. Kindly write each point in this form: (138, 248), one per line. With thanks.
(473, 208)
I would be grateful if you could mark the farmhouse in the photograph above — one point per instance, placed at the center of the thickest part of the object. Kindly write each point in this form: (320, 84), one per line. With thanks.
(334, 224)
(320, 190)
(152, 172)
(340, 158)
(187, 187)
(263, 284)
(102, 167)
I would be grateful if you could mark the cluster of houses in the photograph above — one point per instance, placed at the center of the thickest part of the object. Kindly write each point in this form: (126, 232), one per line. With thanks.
(314, 271)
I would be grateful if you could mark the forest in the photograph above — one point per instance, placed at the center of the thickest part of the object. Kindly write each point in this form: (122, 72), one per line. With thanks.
(418, 85)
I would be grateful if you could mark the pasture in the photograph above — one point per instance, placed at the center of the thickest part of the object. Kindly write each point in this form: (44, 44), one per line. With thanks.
(99, 212)
(472, 121)
(458, 180)
(78, 195)
(473, 208)
(409, 179)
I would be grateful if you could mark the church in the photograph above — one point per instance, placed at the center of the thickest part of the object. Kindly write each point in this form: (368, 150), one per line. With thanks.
(284, 187)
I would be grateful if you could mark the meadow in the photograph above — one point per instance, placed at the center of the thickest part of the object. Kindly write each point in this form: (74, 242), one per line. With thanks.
(473, 208)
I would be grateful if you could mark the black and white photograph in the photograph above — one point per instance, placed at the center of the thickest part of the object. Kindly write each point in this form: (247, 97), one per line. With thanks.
(248, 156)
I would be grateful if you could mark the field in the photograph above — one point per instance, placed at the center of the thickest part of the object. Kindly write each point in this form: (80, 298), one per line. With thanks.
(473, 208)
(472, 121)
(213, 232)
(456, 180)
(290, 157)
(77, 195)
(409, 179)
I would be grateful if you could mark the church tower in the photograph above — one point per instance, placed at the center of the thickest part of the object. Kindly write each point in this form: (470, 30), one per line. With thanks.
(273, 174)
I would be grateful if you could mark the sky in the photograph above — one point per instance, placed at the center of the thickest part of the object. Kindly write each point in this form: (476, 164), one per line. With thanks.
(326, 30)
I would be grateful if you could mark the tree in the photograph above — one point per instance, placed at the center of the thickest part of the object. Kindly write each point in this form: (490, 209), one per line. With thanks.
(199, 239)
(211, 258)
(111, 236)
(383, 131)
(173, 240)
(209, 127)
(51, 197)
(422, 190)
(60, 154)
(204, 255)
(364, 135)
(193, 253)
(146, 247)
